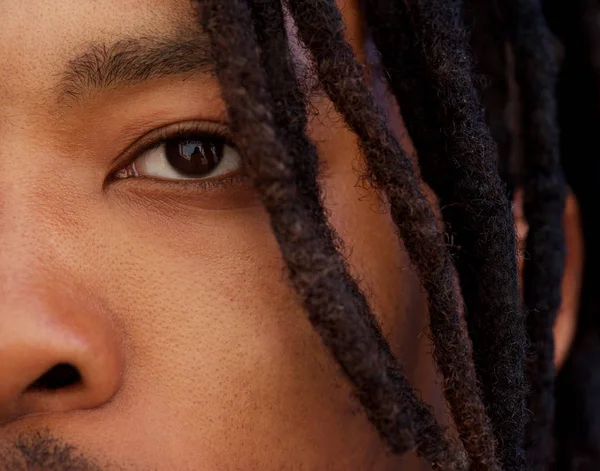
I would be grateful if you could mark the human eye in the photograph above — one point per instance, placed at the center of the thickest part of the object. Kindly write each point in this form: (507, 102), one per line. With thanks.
(188, 153)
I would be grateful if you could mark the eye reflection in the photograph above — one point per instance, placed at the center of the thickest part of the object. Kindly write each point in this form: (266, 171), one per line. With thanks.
(194, 158)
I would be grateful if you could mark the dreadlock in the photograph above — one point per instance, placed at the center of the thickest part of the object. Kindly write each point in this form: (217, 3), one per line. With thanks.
(539, 174)
(544, 195)
(491, 74)
(428, 40)
(320, 27)
(481, 354)
(268, 36)
(336, 307)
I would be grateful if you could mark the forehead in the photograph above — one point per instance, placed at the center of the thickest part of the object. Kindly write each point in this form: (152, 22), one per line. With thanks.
(38, 37)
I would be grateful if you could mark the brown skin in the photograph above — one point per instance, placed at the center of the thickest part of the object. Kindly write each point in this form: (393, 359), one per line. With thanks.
(170, 299)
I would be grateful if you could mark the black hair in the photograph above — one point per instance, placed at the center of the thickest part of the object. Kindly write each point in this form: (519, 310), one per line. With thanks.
(578, 383)
(494, 350)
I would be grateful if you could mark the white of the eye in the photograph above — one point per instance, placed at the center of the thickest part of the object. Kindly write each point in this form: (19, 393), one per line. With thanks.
(154, 163)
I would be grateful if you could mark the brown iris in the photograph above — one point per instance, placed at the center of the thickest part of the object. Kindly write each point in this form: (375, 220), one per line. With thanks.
(195, 157)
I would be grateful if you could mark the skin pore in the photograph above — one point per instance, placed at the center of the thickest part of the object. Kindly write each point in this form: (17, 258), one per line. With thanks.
(168, 297)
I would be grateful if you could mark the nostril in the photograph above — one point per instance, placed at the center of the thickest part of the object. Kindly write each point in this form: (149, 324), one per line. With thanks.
(59, 376)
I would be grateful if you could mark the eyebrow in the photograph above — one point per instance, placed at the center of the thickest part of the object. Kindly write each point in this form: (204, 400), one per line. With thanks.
(131, 61)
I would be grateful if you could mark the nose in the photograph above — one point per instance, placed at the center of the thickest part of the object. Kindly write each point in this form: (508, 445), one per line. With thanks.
(59, 352)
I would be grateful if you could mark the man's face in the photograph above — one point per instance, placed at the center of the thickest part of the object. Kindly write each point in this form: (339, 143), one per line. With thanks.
(146, 321)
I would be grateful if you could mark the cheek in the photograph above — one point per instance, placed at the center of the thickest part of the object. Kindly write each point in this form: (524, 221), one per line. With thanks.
(217, 345)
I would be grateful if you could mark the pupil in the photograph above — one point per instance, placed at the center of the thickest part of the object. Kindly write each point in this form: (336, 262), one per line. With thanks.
(195, 157)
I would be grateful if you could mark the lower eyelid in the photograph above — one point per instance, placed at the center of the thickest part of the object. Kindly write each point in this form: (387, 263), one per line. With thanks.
(186, 200)
(150, 187)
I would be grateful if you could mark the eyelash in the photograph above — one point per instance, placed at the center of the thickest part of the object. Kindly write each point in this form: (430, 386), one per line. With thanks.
(155, 139)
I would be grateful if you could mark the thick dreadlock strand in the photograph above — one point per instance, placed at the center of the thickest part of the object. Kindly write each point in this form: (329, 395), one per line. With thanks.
(488, 43)
(320, 28)
(544, 197)
(424, 51)
(291, 119)
(336, 308)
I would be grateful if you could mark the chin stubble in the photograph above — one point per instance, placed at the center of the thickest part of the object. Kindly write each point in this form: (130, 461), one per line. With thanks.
(40, 451)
